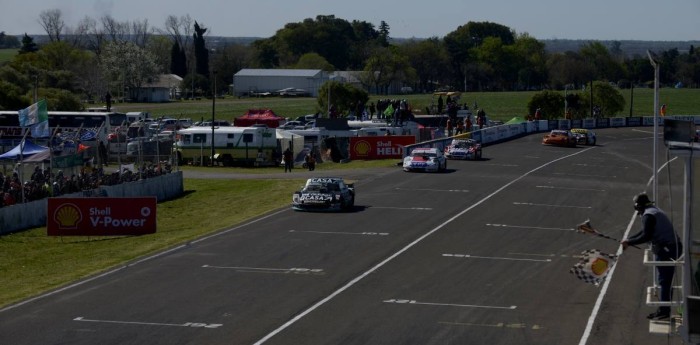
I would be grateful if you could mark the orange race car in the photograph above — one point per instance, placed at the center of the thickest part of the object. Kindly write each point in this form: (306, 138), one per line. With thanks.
(559, 137)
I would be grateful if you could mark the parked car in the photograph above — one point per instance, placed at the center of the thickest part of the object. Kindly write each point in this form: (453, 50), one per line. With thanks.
(425, 159)
(324, 194)
(293, 125)
(293, 92)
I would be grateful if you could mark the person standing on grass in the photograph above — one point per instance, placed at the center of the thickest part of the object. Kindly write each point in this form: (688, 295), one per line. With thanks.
(288, 160)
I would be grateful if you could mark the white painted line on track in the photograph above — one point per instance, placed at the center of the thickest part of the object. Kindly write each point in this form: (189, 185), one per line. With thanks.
(548, 205)
(529, 227)
(586, 175)
(366, 233)
(495, 325)
(601, 165)
(294, 270)
(404, 249)
(468, 256)
(572, 188)
(501, 165)
(435, 190)
(409, 301)
(186, 324)
(404, 208)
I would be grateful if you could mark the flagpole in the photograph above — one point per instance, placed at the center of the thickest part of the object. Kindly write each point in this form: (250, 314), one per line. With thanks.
(21, 158)
(51, 179)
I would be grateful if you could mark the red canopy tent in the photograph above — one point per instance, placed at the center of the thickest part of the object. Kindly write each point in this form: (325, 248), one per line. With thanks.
(259, 116)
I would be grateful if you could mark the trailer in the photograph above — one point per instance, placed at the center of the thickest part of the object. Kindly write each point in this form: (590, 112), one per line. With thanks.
(232, 146)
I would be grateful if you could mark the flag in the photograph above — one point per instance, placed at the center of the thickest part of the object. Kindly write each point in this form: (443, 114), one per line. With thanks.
(82, 148)
(593, 266)
(389, 111)
(41, 130)
(88, 134)
(33, 114)
(663, 110)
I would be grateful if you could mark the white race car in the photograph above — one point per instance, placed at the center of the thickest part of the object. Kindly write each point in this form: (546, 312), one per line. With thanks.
(463, 149)
(425, 159)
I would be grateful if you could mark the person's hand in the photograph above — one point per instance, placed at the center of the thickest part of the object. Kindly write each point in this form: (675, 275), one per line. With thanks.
(624, 244)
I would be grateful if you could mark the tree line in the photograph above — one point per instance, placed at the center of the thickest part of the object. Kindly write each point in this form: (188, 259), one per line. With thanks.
(105, 56)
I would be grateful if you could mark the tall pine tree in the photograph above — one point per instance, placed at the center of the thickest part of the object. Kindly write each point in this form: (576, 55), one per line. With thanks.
(200, 50)
(178, 60)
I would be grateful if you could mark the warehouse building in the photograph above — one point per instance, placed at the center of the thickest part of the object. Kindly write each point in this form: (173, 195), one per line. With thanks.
(264, 82)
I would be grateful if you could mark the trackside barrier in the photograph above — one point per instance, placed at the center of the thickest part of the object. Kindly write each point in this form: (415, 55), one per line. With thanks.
(33, 214)
(496, 134)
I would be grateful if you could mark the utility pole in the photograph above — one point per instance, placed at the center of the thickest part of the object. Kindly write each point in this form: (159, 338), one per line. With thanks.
(213, 110)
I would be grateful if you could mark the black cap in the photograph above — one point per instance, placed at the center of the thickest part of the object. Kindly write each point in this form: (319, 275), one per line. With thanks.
(641, 201)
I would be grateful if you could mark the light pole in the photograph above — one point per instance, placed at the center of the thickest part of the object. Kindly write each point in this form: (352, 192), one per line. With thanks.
(213, 110)
(657, 66)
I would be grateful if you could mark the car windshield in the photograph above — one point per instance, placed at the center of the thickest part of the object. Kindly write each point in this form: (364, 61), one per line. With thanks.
(314, 187)
(462, 145)
(424, 154)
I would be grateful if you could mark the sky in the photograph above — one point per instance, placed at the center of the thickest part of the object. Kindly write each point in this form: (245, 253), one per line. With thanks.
(647, 20)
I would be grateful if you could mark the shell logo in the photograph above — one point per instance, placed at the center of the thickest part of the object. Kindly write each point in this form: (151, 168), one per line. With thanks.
(599, 266)
(362, 148)
(67, 216)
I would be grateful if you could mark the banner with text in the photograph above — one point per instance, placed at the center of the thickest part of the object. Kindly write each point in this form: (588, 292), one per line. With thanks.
(101, 216)
(379, 147)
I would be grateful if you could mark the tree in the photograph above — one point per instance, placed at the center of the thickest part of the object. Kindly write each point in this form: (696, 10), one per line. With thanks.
(313, 61)
(28, 45)
(200, 50)
(7, 42)
(383, 34)
(127, 65)
(52, 22)
(343, 96)
(430, 60)
(550, 103)
(178, 60)
(606, 97)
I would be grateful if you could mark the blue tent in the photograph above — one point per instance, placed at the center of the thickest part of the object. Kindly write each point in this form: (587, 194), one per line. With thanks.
(30, 148)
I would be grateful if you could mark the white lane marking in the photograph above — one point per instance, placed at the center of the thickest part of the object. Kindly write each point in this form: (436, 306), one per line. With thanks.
(548, 205)
(469, 256)
(409, 301)
(294, 270)
(548, 255)
(186, 324)
(601, 165)
(404, 249)
(526, 156)
(495, 325)
(404, 208)
(571, 188)
(501, 165)
(366, 233)
(586, 175)
(435, 190)
(529, 227)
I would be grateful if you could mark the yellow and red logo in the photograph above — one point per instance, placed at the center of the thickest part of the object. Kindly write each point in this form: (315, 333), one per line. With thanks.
(362, 148)
(67, 216)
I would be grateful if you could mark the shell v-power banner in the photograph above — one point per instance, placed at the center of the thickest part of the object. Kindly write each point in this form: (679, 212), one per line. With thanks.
(101, 216)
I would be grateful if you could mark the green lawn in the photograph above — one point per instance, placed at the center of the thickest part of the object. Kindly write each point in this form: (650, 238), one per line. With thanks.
(498, 105)
(7, 54)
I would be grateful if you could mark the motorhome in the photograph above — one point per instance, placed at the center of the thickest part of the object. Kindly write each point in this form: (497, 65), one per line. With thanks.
(245, 146)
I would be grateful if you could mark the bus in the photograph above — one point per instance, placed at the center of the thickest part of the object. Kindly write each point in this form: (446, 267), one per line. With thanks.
(67, 121)
(244, 146)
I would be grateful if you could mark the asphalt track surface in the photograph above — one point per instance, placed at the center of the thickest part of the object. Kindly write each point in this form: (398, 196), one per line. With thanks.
(477, 255)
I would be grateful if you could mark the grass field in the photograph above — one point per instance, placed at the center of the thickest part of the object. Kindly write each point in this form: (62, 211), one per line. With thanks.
(498, 105)
(7, 54)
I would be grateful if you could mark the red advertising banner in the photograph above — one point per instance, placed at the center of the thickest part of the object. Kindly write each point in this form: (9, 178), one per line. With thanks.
(379, 147)
(101, 216)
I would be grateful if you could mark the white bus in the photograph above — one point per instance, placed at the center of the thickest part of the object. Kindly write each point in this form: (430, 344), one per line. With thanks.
(232, 145)
(67, 121)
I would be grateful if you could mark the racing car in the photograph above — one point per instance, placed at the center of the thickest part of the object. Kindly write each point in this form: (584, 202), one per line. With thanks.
(324, 194)
(559, 137)
(425, 159)
(463, 149)
(584, 136)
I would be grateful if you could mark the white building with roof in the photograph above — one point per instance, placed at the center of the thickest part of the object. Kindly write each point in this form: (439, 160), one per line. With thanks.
(252, 81)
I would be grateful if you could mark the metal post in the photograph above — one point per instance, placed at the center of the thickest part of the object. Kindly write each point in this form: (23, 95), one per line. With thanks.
(654, 62)
(213, 109)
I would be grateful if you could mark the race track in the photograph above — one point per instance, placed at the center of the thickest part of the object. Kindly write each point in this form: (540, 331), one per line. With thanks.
(478, 255)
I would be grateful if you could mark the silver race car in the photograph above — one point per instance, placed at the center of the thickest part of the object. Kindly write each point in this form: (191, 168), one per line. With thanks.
(463, 149)
(324, 194)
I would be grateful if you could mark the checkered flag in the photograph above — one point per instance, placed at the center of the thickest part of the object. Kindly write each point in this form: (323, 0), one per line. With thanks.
(593, 266)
